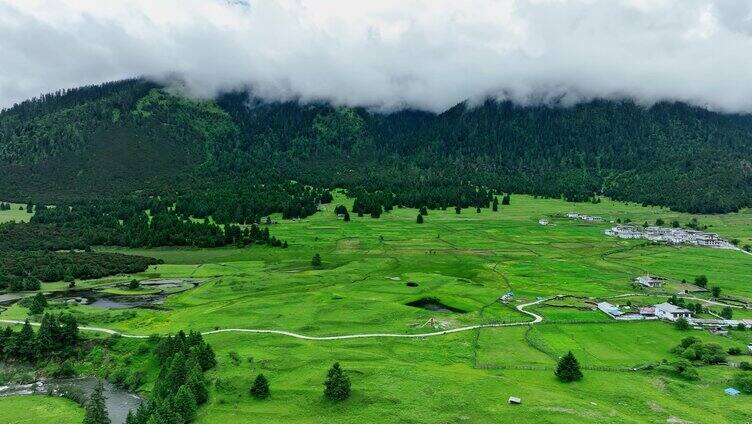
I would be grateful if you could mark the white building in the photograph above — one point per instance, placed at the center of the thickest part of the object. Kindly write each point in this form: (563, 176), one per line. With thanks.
(624, 232)
(649, 281)
(671, 312)
(609, 309)
(543, 221)
(670, 236)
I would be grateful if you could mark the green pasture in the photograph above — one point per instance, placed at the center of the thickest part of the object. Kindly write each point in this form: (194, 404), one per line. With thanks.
(39, 410)
(466, 262)
(16, 213)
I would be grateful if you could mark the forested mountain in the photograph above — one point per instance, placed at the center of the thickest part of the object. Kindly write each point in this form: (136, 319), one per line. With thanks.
(134, 137)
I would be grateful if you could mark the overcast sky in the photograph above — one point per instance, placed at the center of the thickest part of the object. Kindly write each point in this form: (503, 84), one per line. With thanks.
(389, 54)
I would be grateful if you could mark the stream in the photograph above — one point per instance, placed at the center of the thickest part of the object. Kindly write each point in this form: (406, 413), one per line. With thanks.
(118, 401)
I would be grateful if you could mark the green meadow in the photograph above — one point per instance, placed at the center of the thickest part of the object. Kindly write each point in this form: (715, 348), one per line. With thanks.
(371, 270)
(16, 213)
(39, 410)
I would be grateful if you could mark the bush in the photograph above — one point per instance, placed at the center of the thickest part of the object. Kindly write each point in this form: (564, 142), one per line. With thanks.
(743, 382)
(734, 351)
(681, 324)
(65, 370)
(745, 366)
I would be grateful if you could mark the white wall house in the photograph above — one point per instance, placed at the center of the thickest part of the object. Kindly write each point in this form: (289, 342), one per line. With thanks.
(671, 312)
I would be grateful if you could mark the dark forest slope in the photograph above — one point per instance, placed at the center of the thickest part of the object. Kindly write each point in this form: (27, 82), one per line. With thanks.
(131, 135)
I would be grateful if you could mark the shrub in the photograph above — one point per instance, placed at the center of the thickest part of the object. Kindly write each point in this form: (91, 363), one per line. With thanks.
(743, 382)
(734, 351)
(681, 324)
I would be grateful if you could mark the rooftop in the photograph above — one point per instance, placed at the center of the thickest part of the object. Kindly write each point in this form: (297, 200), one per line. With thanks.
(667, 307)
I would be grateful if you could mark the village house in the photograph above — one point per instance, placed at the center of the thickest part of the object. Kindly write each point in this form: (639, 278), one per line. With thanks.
(624, 232)
(671, 312)
(649, 281)
(543, 221)
(588, 218)
(647, 311)
(609, 309)
(670, 236)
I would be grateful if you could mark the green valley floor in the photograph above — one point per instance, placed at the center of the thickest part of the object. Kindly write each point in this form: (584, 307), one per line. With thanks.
(462, 264)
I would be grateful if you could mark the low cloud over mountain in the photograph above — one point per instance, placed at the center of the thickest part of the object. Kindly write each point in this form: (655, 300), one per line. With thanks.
(389, 54)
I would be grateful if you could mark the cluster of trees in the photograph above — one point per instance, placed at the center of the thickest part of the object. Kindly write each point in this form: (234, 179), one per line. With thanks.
(57, 337)
(4, 206)
(24, 270)
(239, 200)
(693, 349)
(668, 154)
(181, 386)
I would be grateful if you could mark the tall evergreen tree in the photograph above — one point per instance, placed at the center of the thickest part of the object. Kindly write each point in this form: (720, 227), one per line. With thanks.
(198, 385)
(260, 388)
(96, 411)
(316, 260)
(24, 343)
(46, 336)
(184, 403)
(419, 220)
(568, 369)
(337, 384)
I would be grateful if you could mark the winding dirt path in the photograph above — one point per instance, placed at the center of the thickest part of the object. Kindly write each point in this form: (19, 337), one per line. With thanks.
(536, 319)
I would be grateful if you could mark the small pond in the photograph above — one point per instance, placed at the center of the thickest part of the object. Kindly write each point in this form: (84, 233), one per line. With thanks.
(118, 401)
(102, 298)
(433, 304)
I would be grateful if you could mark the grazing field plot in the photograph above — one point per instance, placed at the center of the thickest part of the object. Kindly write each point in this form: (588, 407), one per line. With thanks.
(395, 277)
(39, 410)
(16, 213)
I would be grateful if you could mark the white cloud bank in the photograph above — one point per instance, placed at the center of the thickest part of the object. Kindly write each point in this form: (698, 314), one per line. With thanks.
(388, 54)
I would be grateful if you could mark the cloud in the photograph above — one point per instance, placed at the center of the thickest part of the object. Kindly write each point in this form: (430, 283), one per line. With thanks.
(389, 54)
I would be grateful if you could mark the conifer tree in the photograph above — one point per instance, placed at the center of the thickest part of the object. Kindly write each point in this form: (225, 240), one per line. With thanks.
(198, 385)
(96, 412)
(184, 403)
(568, 369)
(260, 388)
(37, 304)
(46, 334)
(495, 204)
(24, 343)
(337, 384)
(316, 260)
(419, 220)
(206, 357)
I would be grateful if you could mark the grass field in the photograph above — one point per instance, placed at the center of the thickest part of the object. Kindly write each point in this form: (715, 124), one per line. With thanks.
(39, 410)
(467, 262)
(16, 213)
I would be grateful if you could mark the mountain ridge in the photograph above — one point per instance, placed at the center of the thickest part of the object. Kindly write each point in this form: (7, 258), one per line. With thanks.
(132, 135)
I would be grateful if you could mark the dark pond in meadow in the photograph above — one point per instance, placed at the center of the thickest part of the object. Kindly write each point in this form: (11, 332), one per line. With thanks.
(434, 304)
